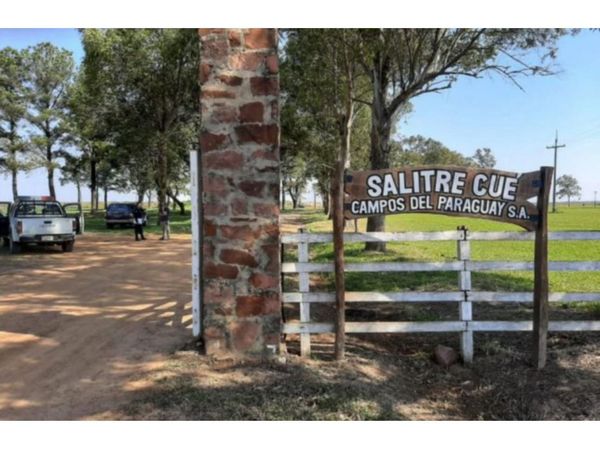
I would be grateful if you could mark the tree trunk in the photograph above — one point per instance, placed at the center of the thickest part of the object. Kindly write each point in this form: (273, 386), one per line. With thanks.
(15, 190)
(162, 175)
(94, 197)
(381, 125)
(178, 202)
(294, 199)
(51, 190)
(149, 199)
(140, 196)
(105, 198)
(78, 184)
(325, 199)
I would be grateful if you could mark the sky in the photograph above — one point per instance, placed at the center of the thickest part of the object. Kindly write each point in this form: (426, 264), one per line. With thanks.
(489, 112)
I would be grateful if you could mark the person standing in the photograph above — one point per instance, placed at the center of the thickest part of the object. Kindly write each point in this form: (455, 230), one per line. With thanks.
(165, 219)
(138, 225)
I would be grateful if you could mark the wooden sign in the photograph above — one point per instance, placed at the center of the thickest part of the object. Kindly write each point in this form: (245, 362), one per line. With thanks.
(455, 191)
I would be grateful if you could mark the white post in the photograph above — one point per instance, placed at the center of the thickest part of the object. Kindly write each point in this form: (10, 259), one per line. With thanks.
(304, 286)
(465, 311)
(195, 188)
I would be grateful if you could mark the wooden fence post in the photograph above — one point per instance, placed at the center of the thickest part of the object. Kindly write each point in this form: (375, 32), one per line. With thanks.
(304, 286)
(541, 288)
(465, 308)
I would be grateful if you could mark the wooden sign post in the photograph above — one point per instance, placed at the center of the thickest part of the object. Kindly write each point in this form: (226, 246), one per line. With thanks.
(338, 250)
(541, 284)
(458, 191)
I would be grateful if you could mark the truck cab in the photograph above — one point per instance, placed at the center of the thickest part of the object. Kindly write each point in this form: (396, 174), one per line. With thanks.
(40, 221)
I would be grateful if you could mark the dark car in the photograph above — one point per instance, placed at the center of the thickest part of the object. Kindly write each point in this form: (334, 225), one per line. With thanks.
(122, 214)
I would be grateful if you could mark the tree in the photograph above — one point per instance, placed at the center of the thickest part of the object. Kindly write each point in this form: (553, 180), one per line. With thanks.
(402, 64)
(568, 186)
(484, 158)
(294, 176)
(75, 171)
(152, 76)
(418, 150)
(13, 107)
(320, 78)
(49, 76)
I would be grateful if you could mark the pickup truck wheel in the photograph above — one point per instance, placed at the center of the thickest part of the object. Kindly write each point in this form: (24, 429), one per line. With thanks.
(67, 247)
(110, 226)
(14, 247)
(5, 242)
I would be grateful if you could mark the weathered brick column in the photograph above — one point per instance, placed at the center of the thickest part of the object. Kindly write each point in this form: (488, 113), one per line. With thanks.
(240, 178)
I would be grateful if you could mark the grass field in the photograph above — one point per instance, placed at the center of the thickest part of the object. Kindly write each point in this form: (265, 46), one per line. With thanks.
(180, 223)
(567, 219)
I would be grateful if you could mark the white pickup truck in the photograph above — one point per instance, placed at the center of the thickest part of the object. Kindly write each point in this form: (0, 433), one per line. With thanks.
(38, 221)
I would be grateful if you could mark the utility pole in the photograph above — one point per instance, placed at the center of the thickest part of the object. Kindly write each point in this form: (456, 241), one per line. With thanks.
(555, 147)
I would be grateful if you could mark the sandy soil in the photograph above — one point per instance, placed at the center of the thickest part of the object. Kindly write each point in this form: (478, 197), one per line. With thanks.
(81, 332)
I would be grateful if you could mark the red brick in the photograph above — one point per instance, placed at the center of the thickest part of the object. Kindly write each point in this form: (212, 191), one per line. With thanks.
(216, 93)
(215, 48)
(208, 250)
(258, 38)
(260, 134)
(210, 141)
(252, 188)
(260, 280)
(252, 112)
(264, 85)
(246, 61)
(210, 229)
(230, 80)
(235, 38)
(205, 70)
(245, 335)
(239, 206)
(239, 257)
(215, 185)
(215, 209)
(210, 31)
(223, 114)
(272, 64)
(212, 270)
(242, 232)
(224, 160)
(267, 209)
(249, 305)
(272, 303)
(269, 155)
(273, 256)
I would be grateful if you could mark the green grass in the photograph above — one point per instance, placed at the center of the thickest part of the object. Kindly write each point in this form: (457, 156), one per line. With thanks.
(95, 223)
(576, 218)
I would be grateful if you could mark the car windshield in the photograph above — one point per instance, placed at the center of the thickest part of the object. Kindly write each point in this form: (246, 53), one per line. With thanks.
(120, 209)
(44, 209)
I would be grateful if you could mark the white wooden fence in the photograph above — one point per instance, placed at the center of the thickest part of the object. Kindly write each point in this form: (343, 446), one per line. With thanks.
(464, 296)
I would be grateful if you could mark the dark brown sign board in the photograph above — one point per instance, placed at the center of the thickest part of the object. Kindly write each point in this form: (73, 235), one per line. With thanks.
(455, 191)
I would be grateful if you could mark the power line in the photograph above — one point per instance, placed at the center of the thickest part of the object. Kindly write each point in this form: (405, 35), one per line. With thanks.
(555, 147)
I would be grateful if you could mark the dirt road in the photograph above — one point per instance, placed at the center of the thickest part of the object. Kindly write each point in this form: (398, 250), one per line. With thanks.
(80, 332)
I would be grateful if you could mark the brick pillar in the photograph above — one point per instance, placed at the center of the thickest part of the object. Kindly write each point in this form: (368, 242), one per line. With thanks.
(240, 179)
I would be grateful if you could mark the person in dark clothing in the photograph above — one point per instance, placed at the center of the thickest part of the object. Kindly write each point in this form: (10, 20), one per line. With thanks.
(138, 226)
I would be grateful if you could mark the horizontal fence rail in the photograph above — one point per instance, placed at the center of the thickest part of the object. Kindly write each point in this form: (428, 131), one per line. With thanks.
(464, 297)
